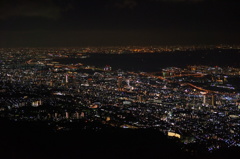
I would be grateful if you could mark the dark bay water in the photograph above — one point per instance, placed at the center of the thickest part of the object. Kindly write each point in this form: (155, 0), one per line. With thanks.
(157, 61)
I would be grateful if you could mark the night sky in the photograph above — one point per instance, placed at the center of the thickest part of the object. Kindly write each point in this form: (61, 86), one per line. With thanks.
(72, 23)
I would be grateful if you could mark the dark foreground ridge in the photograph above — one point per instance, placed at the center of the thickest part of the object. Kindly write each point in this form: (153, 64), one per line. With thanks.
(24, 140)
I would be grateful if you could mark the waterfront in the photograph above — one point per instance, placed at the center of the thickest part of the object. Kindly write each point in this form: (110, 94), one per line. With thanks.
(151, 62)
(192, 105)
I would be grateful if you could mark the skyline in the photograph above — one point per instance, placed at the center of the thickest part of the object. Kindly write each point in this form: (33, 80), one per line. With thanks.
(55, 23)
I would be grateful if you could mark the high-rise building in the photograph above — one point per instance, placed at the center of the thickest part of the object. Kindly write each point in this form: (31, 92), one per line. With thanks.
(77, 115)
(82, 115)
(66, 78)
(128, 82)
(56, 115)
(119, 83)
(67, 115)
(204, 94)
(213, 102)
(204, 99)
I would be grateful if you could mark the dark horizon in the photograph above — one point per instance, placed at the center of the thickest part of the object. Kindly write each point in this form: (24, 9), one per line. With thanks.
(55, 23)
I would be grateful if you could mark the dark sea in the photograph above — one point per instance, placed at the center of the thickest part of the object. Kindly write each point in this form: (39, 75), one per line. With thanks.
(150, 62)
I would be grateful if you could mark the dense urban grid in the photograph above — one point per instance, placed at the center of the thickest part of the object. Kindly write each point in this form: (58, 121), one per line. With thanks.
(197, 104)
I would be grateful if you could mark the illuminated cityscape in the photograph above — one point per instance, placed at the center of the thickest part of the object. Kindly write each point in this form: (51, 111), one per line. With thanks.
(119, 79)
(198, 104)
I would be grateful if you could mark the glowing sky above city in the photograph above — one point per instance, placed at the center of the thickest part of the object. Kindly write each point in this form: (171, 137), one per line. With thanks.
(55, 23)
